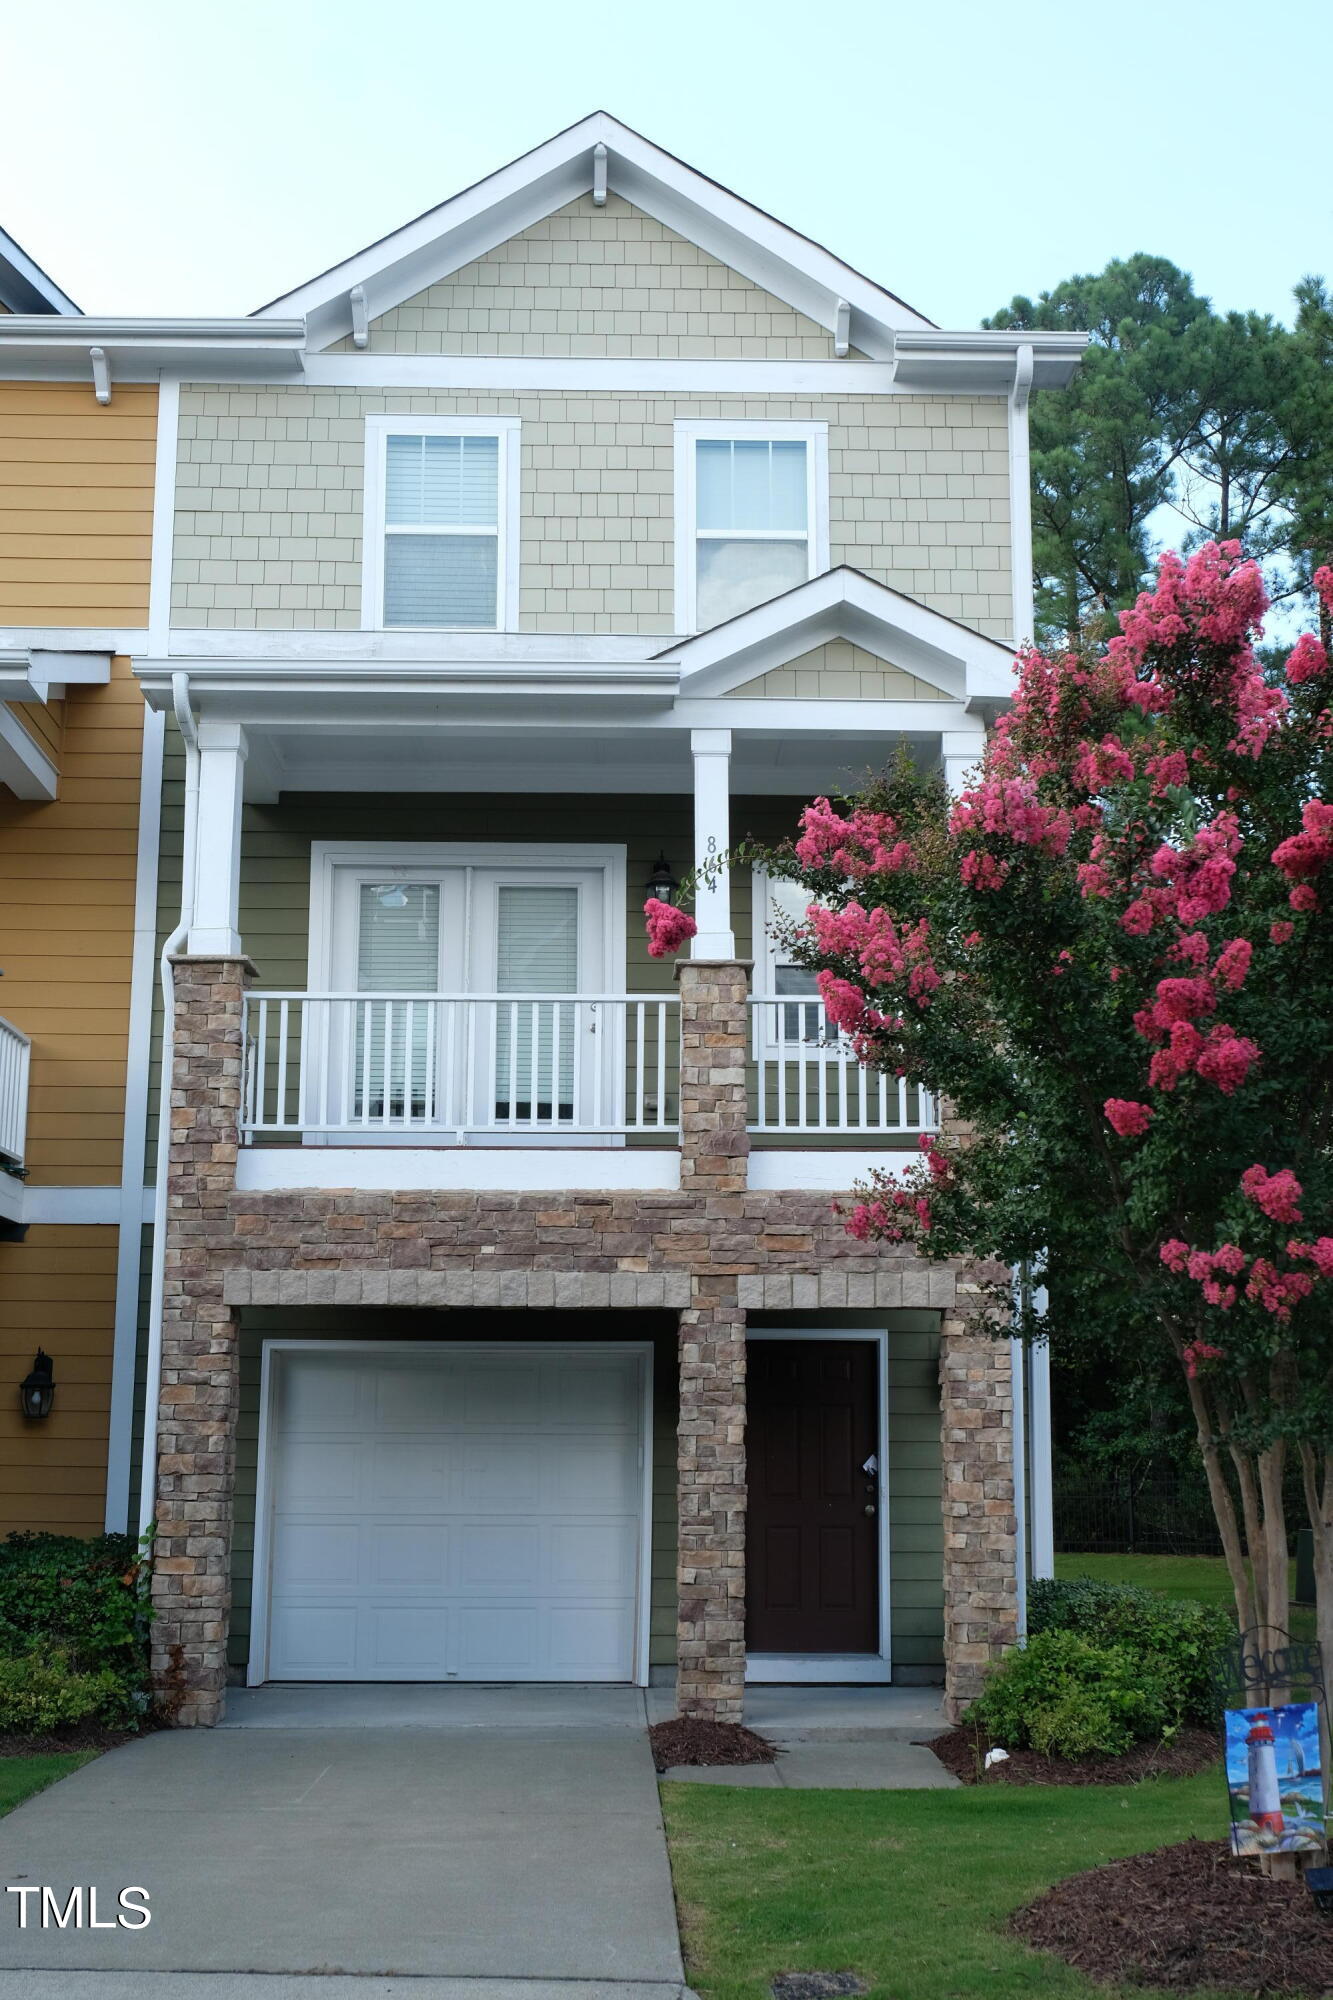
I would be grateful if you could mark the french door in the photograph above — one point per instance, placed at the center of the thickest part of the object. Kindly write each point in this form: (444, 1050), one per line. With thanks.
(462, 1010)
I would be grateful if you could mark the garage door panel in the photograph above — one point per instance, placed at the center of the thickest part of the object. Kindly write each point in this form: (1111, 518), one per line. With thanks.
(501, 1395)
(414, 1557)
(314, 1641)
(316, 1555)
(442, 1513)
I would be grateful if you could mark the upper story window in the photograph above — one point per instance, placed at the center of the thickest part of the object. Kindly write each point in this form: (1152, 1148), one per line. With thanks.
(751, 515)
(441, 523)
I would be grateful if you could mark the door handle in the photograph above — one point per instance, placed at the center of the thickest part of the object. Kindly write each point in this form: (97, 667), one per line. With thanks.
(870, 1507)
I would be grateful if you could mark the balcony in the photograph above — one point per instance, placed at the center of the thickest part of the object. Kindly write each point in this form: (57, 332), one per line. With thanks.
(15, 1060)
(560, 1090)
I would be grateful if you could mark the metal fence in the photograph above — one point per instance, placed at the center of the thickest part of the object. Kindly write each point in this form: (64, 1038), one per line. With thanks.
(1134, 1514)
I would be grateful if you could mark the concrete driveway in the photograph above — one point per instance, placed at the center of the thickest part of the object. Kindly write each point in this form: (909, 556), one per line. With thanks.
(325, 1835)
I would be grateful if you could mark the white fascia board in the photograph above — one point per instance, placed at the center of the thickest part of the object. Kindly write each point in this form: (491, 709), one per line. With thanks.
(24, 765)
(233, 685)
(984, 361)
(483, 216)
(41, 675)
(264, 1168)
(82, 639)
(613, 374)
(193, 646)
(842, 603)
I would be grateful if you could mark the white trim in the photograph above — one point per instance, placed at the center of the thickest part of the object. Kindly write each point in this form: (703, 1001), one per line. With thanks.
(551, 175)
(1019, 1421)
(129, 1248)
(1020, 496)
(686, 434)
(24, 765)
(834, 1667)
(1041, 1499)
(261, 1582)
(380, 425)
(158, 638)
(73, 1207)
(454, 1169)
(829, 1171)
(24, 283)
(74, 638)
(612, 374)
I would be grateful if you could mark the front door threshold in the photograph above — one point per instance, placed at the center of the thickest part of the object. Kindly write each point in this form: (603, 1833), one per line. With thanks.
(836, 1669)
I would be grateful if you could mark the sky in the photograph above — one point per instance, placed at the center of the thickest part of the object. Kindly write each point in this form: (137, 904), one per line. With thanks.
(194, 157)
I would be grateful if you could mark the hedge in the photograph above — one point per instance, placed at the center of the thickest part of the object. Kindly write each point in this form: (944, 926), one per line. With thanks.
(81, 1603)
(1173, 1636)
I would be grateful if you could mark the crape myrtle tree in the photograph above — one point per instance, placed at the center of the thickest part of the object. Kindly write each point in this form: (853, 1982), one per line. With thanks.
(1113, 956)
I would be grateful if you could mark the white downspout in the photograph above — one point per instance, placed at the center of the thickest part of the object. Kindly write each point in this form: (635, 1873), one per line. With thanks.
(1018, 1370)
(1020, 496)
(180, 700)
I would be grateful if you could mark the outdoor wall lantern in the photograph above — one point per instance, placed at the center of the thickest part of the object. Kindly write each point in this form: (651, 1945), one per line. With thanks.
(37, 1391)
(661, 882)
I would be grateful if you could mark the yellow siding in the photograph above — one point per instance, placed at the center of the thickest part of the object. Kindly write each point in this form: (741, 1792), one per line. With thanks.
(44, 721)
(66, 933)
(57, 1291)
(76, 504)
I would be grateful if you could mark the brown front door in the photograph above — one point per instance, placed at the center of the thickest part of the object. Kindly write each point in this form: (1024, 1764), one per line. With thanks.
(812, 1539)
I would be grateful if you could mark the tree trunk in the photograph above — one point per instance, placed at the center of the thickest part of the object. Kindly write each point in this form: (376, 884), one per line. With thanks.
(1224, 1511)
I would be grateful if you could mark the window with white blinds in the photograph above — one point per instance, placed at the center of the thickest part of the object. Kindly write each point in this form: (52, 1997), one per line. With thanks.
(752, 515)
(537, 953)
(398, 951)
(438, 520)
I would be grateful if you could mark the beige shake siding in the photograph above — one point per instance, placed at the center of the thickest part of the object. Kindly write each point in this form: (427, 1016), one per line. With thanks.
(837, 671)
(591, 280)
(269, 502)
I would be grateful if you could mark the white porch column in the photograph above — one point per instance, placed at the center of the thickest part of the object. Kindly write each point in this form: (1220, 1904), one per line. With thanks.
(222, 753)
(961, 752)
(712, 836)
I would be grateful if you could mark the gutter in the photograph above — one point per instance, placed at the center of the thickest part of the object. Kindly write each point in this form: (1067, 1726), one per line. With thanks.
(180, 690)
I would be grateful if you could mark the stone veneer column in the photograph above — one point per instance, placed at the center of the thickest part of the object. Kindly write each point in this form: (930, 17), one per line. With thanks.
(980, 1526)
(714, 1144)
(197, 1406)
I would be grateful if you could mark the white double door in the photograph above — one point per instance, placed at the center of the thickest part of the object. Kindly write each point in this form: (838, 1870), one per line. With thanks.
(468, 1012)
(440, 1512)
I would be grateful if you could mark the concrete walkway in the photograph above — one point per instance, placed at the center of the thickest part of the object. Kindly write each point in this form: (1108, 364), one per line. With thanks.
(506, 1836)
(862, 1739)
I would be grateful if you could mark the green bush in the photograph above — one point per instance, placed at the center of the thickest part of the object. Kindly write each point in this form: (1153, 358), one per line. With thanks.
(41, 1692)
(1066, 1697)
(79, 1606)
(1173, 1637)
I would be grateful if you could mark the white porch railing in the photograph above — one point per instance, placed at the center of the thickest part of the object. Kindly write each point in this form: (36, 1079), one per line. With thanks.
(805, 1078)
(15, 1056)
(445, 1067)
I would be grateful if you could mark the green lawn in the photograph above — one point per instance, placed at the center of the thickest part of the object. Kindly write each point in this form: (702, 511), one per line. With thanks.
(909, 1889)
(1204, 1577)
(20, 1777)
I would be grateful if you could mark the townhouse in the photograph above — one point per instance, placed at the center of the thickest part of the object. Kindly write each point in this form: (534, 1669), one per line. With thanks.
(483, 1311)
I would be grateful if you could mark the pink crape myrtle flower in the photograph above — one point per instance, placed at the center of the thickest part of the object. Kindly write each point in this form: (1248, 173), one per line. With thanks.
(1307, 660)
(1129, 1119)
(1278, 1195)
(856, 846)
(1199, 1351)
(668, 928)
(1281, 933)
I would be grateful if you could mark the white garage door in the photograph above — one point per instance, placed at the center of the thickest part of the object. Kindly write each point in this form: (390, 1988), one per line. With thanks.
(448, 1512)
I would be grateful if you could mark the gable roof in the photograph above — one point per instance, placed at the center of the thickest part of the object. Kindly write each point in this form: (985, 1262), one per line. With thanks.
(845, 603)
(24, 285)
(600, 152)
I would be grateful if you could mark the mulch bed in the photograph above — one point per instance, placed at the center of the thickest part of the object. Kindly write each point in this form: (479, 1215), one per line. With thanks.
(1185, 1916)
(963, 1750)
(688, 1740)
(90, 1736)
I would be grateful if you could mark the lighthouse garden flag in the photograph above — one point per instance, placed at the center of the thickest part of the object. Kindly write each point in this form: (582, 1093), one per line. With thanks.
(1274, 1779)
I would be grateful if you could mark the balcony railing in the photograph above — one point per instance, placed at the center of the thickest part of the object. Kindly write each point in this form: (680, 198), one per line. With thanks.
(805, 1079)
(444, 1068)
(15, 1055)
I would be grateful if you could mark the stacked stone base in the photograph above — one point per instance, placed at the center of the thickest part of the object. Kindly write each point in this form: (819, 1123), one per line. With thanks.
(710, 1252)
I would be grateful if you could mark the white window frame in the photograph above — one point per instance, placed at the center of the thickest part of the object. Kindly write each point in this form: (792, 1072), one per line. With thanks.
(406, 423)
(764, 951)
(814, 436)
(408, 858)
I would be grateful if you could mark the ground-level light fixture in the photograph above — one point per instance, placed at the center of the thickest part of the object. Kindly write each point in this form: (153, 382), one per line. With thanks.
(37, 1390)
(1319, 1881)
(661, 882)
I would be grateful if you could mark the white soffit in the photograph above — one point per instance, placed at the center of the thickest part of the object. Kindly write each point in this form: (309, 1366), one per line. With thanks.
(846, 604)
(783, 262)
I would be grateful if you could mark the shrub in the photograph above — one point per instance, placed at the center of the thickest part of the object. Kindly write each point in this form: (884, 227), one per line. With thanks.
(42, 1692)
(1174, 1637)
(78, 1605)
(1066, 1697)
